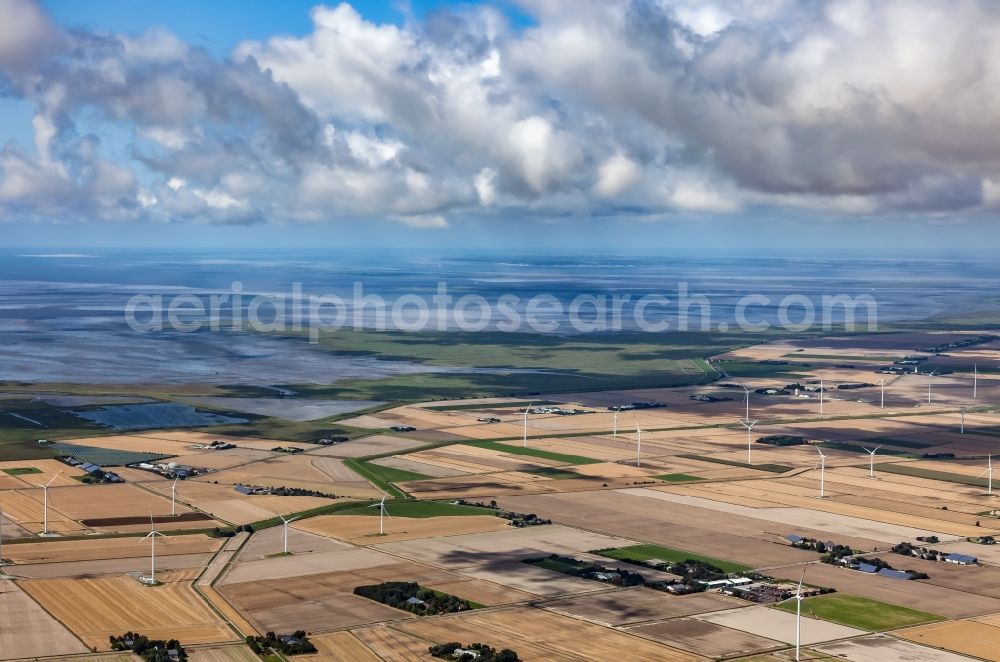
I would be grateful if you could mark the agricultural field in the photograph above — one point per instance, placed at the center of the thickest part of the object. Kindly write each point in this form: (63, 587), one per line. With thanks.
(692, 491)
(28, 630)
(537, 634)
(174, 612)
(862, 613)
(962, 637)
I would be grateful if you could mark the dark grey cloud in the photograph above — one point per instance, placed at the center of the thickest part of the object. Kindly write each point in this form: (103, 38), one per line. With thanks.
(653, 106)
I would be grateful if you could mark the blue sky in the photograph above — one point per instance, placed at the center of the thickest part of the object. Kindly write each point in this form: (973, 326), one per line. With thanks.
(582, 125)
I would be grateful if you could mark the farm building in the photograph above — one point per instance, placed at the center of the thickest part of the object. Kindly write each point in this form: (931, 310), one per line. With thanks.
(961, 559)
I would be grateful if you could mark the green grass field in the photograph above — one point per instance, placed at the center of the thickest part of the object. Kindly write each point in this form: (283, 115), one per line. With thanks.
(647, 552)
(418, 509)
(534, 452)
(678, 478)
(581, 363)
(22, 471)
(771, 468)
(383, 477)
(862, 613)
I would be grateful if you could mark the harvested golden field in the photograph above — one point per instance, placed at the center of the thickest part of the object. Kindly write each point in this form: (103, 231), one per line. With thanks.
(391, 644)
(363, 529)
(172, 610)
(638, 604)
(235, 653)
(60, 551)
(139, 443)
(483, 592)
(28, 631)
(105, 501)
(542, 635)
(473, 487)
(339, 646)
(25, 507)
(49, 470)
(965, 637)
(226, 504)
(325, 600)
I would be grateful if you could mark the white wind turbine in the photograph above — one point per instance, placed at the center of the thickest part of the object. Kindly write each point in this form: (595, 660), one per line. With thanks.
(929, 382)
(152, 548)
(173, 498)
(638, 442)
(615, 429)
(747, 397)
(989, 474)
(45, 503)
(284, 532)
(748, 424)
(382, 512)
(962, 429)
(798, 614)
(822, 472)
(871, 460)
(524, 440)
(975, 379)
(822, 393)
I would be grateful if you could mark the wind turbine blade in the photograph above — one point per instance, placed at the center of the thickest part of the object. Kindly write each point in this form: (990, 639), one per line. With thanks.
(876, 448)
(801, 579)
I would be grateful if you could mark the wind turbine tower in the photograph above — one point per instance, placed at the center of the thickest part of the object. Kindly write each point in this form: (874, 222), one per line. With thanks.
(798, 615)
(748, 424)
(382, 513)
(822, 472)
(871, 461)
(173, 498)
(989, 474)
(152, 550)
(45, 504)
(284, 532)
(524, 440)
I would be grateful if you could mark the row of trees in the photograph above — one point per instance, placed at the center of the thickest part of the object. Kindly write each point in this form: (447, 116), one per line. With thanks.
(409, 596)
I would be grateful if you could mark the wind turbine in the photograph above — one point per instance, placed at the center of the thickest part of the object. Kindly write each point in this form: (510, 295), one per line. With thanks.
(638, 442)
(747, 391)
(962, 429)
(871, 460)
(822, 393)
(748, 424)
(284, 531)
(524, 441)
(173, 498)
(45, 501)
(798, 614)
(975, 379)
(615, 433)
(382, 512)
(822, 472)
(989, 474)
(929, 382)
(152, 548)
